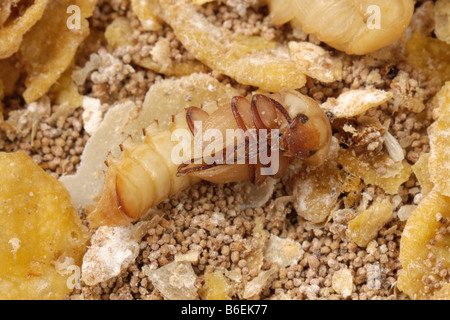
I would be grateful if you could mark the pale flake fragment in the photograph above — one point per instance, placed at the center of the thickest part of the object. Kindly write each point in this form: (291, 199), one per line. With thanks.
(15, 245)
(275, 210)
(234, 275)
(217, 218)
(402, 96)
(22, 122)
(316, 62)
(317, 191)
(393, 147)
(406, 211)
(65, 265)
(79, 76)
(353, 103)
(92, 114)
(175, 281)
(342, 282)
(284, 252)
(257, 196)
(312, 291)
(375, 78)
(372, 246)
(255, 257)
(350, 129)
(256, 285)
(191, 256)
(112, 250)
(161, 54)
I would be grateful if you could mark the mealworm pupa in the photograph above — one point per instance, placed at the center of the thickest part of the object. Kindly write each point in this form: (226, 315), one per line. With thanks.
(146, 174)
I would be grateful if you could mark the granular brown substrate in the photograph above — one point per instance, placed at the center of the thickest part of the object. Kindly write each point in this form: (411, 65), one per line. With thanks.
(190, 222)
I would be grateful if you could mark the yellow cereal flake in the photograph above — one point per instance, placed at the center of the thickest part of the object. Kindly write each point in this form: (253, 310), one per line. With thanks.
(66, 91)
(443, 294)
(342, 282)
(422, 172)
(439, 134)
(145, 14)
(430, 56)
(368, 223)
(381, 170)
(118, 33)
(442, 20)
(424, 250)
(49, 47)
(442, 99)
(244, 59)
(42, 238)
(11, 35)
(216, 287)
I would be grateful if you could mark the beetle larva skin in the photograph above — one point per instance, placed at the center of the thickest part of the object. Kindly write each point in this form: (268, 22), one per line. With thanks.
(141, 178)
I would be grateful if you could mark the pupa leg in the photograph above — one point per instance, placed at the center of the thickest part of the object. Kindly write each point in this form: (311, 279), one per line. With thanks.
(237, 104)
(264, 112)
(195, 114)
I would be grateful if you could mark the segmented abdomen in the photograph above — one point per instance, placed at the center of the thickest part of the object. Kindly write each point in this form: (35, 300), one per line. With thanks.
(141, 178)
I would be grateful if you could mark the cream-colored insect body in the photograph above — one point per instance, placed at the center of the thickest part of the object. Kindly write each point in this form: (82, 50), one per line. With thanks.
(143, 177)
(353, 26)
(146, 174)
